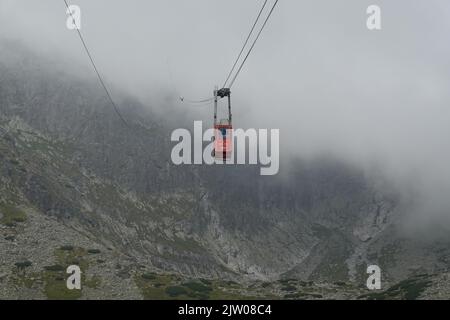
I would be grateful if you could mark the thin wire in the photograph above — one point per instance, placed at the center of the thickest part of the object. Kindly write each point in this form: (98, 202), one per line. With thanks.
(254, 42)
(116, 109)
(245, 43)
(240, 53)
(205, 104)
(196, 101)
(182, 98)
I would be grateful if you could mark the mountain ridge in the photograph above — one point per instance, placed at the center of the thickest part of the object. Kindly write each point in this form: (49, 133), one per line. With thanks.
(67, 156)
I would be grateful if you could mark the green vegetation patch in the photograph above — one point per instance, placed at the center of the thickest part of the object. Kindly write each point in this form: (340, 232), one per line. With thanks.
(149, 276)
(23, 264)
(66, 248)
(409, 289)
(153, 286)
(289, 288)
(56, 267)
(10, 215)
(52, 279)
(198, 287)
(55, 287)
(94, 282)
(55, 276)
(70, 255)
(206, 281)
(168, 286)
(176, 291)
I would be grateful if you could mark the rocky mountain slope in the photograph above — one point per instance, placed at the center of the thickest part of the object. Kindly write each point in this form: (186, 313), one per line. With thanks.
(77, 185)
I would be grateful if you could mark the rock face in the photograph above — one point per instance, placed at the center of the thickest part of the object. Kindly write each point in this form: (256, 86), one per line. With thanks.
(72, 174)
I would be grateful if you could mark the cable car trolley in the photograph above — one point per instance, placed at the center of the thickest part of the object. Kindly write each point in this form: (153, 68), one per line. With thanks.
(223, 129)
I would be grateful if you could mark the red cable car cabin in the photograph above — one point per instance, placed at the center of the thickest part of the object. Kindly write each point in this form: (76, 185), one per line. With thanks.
(223, 131)
(223, 141)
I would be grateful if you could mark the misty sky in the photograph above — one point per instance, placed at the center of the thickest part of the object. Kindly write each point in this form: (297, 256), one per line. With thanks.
(376, 98)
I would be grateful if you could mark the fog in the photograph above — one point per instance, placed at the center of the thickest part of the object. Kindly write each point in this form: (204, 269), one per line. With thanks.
(378, 99)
